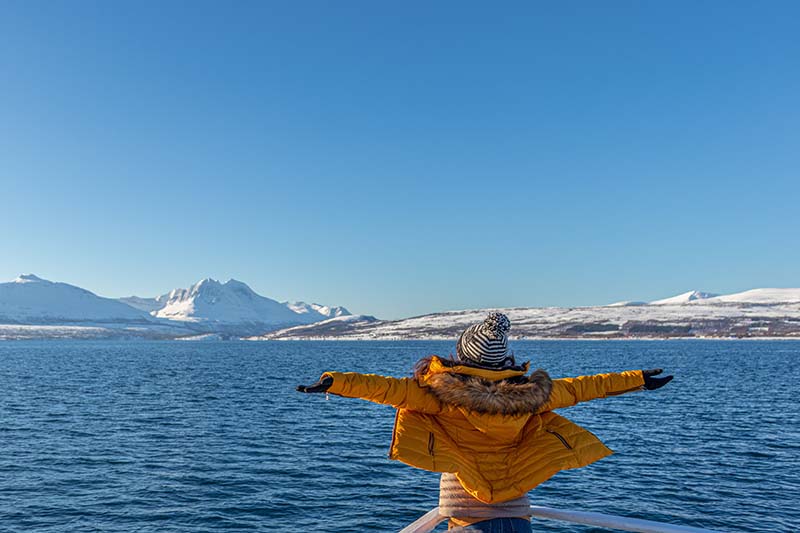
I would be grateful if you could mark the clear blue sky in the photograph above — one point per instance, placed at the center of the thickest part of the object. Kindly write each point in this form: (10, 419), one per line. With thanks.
(403, 158)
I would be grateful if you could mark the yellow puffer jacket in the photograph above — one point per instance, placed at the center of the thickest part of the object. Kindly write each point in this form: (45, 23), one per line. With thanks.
(494, 429)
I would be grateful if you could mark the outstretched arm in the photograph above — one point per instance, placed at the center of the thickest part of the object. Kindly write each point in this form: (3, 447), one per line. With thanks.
(569, 391)
(402, 393)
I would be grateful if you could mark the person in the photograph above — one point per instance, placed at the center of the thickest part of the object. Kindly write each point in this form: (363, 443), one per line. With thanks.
(486, 424)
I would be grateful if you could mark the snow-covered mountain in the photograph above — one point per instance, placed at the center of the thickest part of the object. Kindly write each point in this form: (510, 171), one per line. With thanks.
(232, 302)
(753, 296)
(324, 312)
(33, 300)
(755, 313)
(684, 298)
(760, 296)
(232, 307)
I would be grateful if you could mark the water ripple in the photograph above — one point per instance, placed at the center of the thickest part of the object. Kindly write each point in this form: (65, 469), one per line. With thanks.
(173, 437)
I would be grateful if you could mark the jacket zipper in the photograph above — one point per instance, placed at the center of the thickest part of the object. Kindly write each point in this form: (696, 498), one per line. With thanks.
(431, 441)
(562, 439)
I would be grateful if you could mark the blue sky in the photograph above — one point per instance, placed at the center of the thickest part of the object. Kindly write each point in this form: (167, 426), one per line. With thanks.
(402, 158)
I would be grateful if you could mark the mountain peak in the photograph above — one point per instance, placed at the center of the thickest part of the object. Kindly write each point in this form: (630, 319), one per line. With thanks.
(685, 298)
(304, 308)
(236, 284)
(232, 302)
(29, 278)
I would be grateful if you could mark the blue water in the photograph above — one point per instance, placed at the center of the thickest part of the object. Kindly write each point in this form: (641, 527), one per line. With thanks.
(192, 437)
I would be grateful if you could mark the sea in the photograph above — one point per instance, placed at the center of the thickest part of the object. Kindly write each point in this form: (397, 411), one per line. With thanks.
(212, 436)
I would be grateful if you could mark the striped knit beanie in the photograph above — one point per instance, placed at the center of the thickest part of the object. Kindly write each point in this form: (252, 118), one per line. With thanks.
(486, 343)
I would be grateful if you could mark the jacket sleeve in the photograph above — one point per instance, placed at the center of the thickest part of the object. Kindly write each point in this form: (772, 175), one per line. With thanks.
(402, 393)
(567, 392)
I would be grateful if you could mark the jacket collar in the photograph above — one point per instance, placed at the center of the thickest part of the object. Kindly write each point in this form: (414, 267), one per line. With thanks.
(505, 392)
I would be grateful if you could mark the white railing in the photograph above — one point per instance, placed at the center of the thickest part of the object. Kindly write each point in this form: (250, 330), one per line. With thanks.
(432, 518)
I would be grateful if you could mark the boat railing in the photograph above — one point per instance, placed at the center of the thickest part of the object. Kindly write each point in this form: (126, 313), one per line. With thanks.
(432, 518)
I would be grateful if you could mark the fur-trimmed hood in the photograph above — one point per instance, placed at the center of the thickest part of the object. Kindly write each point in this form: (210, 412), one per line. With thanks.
(485, 391)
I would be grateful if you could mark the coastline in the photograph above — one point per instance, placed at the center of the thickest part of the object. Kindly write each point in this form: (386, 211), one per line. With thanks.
(555, 339)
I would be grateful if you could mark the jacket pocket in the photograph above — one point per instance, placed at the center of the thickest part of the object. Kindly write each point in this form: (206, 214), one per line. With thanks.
(560, 437)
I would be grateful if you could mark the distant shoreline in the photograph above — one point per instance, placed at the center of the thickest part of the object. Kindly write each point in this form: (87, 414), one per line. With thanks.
(136, 340)
(526, 339)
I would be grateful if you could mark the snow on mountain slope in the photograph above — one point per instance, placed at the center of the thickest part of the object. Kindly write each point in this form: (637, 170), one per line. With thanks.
(760, 296)
(626, 303)
(322, 311)
(232, 302)
(332, 312)
(148, 305)
(684, 298)
(325, 328)
(34, 300)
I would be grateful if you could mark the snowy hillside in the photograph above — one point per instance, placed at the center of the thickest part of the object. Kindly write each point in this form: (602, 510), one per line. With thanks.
(32, 300)
(760, 296)
(148, 305)
(323, 329)
(234, 307)
(627, 303)
(323, 312)
(684, 298)
(756, 313)
(232, 302)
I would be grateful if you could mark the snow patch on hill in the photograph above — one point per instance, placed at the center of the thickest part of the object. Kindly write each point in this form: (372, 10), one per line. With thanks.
(326, 328)
(684, 298)
(323, 312)
(626, 303)
(760, 296)
(148, 305)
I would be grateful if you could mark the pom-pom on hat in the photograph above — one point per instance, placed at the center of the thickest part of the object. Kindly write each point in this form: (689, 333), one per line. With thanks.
(485, 343)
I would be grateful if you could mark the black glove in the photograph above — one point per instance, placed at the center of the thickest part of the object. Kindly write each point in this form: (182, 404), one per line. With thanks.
(320, 386)
(651, 383)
